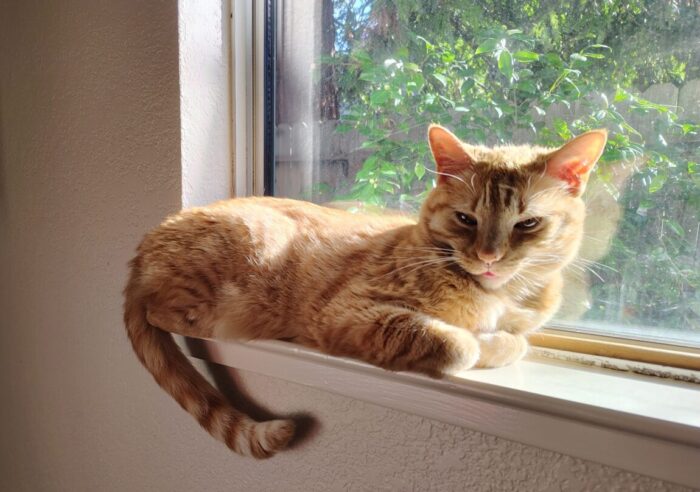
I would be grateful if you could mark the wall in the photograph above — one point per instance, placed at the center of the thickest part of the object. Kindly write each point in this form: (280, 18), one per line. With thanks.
(89, 160)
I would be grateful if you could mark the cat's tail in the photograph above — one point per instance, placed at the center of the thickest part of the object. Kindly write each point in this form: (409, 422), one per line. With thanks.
(157, 350)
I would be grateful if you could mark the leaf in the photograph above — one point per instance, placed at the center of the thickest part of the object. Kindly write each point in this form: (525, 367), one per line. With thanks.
(505, 64)
(657, 183)
(448, 57)
(368, 144)
(553, 59)
(687, 128)
(368, 76)
(362, 56)
(428, 45)
(441, 78)
(675, 227)
(449, 101)
(578, 57)
(487, 46)
(467, 85)
(379, 97)
(562, 129)
(526, 56)
(419, 170)
(527, 86)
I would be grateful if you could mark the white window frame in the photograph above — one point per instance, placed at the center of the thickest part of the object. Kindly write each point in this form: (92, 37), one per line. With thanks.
(248, 26)
(645, 425)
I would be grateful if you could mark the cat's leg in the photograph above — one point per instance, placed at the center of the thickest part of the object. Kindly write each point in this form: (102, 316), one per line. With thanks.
(396, 338)
(500, 348)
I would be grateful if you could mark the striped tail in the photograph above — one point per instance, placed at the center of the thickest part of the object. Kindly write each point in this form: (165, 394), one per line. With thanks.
(163, 358)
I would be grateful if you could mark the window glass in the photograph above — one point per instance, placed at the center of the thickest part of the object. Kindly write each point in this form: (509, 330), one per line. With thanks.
(358, 81)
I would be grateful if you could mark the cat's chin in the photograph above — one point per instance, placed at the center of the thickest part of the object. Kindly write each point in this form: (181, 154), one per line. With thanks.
(492, 282)
(488, 280)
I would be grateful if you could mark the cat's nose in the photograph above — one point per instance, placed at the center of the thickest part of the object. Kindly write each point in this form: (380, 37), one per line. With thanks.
(489, 256)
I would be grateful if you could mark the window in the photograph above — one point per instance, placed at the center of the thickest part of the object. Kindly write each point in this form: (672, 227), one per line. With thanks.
(356, 82)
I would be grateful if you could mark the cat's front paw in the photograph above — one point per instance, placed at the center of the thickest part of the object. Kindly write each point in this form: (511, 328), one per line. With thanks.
(500, 349)
(458, 349)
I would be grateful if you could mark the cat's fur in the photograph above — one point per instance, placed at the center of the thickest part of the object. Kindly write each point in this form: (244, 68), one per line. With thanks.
(400, 294)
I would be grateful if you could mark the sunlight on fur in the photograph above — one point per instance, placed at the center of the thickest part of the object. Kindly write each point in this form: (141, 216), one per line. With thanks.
(459, 287)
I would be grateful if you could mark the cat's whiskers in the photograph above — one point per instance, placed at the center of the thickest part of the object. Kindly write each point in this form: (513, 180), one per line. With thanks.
(429, 257)
(593, 238)
(450, 176)
(427, 264)
(424, 248)
(594, 263)
(586, 269)
(526, 287)
(418, 265)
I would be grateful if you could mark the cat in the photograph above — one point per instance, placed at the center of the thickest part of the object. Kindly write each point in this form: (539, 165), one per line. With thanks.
(459, 287)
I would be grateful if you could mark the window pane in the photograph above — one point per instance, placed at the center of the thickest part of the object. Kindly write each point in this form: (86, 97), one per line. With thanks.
(358, 81)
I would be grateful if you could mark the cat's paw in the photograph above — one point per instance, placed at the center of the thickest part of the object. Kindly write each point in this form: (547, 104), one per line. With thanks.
(458, 349)
(500, 349)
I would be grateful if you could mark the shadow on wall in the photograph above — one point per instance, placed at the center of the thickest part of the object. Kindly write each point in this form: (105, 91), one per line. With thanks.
(228, 382)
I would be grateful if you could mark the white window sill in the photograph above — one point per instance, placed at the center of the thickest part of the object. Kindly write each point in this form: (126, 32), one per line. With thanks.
(642, 424)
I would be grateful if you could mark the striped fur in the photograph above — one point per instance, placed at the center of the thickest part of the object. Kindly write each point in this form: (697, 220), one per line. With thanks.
(434, 295)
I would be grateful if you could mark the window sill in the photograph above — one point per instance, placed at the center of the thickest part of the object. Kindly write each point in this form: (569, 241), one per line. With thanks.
(638, 423)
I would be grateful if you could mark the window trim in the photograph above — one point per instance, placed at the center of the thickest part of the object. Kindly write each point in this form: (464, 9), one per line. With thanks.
(248, 68)
(617, 348)
(269, 71)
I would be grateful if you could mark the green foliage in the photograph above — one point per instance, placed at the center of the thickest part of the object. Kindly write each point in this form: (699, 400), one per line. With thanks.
(495, 83)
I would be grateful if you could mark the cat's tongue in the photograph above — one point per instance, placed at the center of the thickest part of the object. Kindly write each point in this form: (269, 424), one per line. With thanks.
(489, 274)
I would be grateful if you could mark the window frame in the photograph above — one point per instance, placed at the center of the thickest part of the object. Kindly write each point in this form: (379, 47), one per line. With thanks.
(579, 410)
(257, 18)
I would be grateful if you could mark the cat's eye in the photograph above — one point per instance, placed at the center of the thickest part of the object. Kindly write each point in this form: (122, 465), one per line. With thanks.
(466, 219)
(530, 223)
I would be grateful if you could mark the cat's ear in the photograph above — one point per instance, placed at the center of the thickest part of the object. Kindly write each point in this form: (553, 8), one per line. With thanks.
(449, 153)
(573, 161)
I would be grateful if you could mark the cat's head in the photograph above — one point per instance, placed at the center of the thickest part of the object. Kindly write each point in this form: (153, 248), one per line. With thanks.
(512, 211)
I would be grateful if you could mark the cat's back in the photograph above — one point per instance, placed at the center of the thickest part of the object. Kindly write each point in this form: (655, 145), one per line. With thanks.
(264, 226)
(285, 218)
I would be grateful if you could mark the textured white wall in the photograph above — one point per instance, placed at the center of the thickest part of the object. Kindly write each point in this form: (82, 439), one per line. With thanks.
(89, 160)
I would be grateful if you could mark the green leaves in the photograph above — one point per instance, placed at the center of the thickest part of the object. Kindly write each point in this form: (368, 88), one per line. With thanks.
(441, 78)
(594, 51)
(379, 97)
(505, 64)
(657, 182)
(526, 56)
(562, 129)
(419, 170)
(487, 46)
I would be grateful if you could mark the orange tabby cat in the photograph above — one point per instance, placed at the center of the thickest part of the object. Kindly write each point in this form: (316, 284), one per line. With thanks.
(460, 287)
